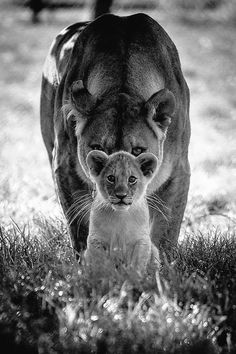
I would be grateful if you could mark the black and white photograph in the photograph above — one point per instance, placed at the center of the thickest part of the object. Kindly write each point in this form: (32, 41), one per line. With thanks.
(118, 176)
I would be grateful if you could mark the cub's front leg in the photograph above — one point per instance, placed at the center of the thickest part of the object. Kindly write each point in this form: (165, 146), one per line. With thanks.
(155, 261)
(96, 253)
(141, 255)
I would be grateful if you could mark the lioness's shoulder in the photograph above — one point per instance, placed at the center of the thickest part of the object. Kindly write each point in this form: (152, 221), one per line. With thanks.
(60, 51)
(67, 34)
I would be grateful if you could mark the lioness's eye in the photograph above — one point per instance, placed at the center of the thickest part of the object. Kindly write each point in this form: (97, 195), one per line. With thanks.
(137, 151)
(96, 147)
(111, 179)
(132, 179)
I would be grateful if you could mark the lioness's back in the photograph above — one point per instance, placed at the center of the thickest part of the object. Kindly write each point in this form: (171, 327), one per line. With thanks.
(119, 46)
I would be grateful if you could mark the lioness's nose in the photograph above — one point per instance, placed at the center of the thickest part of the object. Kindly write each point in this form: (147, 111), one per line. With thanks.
(121, 195)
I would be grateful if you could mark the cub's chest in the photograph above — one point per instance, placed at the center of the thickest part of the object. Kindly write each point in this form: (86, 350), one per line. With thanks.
(123, 227)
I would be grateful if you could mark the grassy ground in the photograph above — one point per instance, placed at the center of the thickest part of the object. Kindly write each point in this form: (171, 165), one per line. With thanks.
(49, 303)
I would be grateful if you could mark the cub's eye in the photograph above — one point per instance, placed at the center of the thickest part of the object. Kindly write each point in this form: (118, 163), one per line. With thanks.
(111, 179)
(138, 150)
(132, 180)
(97, 147)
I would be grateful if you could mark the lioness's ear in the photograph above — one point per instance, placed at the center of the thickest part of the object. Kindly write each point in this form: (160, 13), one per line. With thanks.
(148, 163)
(81, 99)
(163, 102)
(96, 160)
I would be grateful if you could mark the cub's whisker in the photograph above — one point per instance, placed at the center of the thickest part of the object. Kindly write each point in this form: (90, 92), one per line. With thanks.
(155, 207)
(83, 215)
(158, 200)
(76, 206)
(77, 215)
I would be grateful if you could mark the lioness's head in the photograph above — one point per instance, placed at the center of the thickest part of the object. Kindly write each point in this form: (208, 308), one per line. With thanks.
(121, 178)
(117, 121)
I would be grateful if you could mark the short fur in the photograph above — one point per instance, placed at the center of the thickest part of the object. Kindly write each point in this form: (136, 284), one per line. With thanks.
(119, 218)
(121, 82)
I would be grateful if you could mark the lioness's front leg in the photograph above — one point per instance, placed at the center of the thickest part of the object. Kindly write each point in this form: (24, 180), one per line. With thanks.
(69, 189)
(165, 226)
(67, 186)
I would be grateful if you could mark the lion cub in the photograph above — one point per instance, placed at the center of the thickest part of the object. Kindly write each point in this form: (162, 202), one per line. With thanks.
(119, 218)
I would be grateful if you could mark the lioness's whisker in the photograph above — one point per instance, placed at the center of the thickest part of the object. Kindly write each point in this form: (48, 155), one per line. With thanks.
(81, 192)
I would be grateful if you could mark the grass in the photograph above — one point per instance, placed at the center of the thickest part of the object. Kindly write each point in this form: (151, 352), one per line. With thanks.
(49, 302)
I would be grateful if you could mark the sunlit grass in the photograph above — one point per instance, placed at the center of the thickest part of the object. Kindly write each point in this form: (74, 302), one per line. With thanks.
(54, 301)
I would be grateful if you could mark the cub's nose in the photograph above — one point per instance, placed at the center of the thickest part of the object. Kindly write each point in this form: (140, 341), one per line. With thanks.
(121, 195)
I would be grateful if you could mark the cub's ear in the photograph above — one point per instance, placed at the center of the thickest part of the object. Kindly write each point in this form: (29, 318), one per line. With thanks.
(96, 160)
(164, 104)
(148, 163)
(81, 99)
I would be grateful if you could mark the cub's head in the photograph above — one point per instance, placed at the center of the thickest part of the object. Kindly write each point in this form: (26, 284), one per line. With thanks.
(121, 179)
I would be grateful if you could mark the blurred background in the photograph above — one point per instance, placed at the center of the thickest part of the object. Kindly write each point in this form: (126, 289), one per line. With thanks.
(204, 32)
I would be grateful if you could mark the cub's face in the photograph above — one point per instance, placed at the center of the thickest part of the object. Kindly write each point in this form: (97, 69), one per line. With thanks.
(121, 179)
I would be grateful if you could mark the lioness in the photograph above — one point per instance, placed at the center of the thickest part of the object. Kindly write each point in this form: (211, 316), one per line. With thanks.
(119, 218)
(116, 84)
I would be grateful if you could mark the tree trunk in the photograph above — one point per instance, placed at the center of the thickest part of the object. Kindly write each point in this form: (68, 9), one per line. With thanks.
(102, 7)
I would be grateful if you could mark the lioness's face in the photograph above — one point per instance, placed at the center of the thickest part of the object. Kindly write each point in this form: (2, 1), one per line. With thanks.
(121, 179)
(121, 122)
(110, 131)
